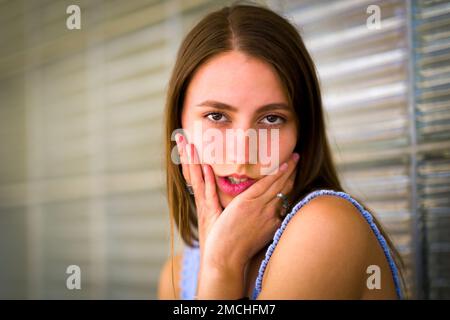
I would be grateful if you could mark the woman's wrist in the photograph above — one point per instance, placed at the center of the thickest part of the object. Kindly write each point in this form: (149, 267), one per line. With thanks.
(220, 281)
(224, 261)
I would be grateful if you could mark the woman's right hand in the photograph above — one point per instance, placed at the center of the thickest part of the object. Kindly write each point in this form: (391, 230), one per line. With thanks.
(232, 236)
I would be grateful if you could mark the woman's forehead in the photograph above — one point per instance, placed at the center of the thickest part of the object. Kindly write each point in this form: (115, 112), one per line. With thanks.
(236, 79)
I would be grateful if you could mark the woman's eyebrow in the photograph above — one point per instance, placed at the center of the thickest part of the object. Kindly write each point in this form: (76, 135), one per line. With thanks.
(264, 108)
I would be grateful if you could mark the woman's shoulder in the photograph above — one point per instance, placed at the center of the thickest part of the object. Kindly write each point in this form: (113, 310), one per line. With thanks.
(327, 211)
(325, 235)
(166, 286)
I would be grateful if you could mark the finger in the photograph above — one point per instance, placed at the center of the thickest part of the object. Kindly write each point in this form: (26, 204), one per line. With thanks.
(181, 145)
(289, 184)
(284, 183)
(287, 188)
(195, 173)
(210, 189)
(275, 210)
(279, 183)
(276, 203)
(260, 187)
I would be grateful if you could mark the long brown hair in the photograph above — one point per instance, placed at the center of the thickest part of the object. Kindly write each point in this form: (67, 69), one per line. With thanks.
(259, 32)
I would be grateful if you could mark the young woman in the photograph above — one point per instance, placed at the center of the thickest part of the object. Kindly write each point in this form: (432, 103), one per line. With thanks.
(287, 233)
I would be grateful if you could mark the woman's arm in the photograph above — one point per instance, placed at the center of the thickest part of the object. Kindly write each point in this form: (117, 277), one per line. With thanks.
(166, 285)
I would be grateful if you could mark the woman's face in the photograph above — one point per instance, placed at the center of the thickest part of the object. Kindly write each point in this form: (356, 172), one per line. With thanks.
(227, 93)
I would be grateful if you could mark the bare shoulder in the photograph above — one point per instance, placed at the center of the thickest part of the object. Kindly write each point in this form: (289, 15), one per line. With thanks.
(166, 285)
(322, 253)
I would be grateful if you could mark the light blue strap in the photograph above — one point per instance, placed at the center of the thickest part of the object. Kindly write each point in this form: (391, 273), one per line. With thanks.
(189, 272)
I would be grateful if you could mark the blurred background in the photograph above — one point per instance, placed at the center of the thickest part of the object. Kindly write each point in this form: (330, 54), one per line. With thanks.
(81, 175)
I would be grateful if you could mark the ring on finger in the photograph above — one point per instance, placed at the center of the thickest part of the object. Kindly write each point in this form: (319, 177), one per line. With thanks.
(283, 197)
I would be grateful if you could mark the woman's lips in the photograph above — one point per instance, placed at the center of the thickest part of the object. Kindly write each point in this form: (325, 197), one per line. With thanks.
(234, 188)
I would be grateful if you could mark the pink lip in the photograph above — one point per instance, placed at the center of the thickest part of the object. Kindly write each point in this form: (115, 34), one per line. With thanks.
(234, 189)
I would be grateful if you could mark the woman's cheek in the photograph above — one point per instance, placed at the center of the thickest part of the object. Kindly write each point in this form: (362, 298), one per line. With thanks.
(277, 148)
(289, 138)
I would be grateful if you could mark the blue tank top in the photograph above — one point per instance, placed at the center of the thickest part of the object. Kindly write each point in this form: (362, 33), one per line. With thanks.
(191, 255)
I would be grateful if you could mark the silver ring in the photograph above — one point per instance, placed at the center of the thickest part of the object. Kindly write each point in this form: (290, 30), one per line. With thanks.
(283, 197)
(189, 189)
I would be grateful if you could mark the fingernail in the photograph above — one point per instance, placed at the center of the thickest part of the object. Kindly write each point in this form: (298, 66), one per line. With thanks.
(295, 156)
(284, 166)
(179, 138)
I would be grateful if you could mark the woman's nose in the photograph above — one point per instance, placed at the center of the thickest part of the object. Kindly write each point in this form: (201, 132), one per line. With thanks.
(241, 145)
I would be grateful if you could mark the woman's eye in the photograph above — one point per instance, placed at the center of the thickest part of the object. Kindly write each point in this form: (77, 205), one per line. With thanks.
(273, 120)
(216, 117)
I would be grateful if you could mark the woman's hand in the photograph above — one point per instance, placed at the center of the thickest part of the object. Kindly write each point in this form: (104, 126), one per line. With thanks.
(249, 221)
(229, 238)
